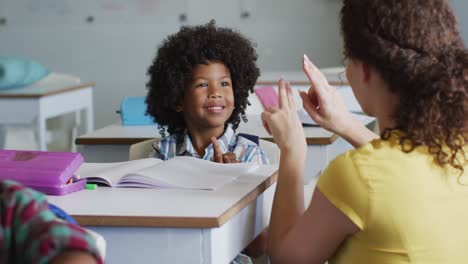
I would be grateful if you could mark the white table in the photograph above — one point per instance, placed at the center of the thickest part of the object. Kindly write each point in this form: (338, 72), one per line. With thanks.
(173, 225)
(112, 143)
(55, 95)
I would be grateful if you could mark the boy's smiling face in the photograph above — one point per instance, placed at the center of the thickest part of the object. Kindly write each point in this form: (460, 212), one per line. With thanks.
(209, 99)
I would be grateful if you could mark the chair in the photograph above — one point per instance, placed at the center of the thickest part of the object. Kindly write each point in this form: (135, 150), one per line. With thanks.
(143, 149)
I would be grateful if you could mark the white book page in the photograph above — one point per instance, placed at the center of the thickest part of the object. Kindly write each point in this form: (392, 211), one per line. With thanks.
(110, 173)
(188, 173)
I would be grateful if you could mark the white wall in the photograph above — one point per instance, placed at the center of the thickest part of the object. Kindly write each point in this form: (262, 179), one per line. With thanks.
(116, 49)
(460, 8)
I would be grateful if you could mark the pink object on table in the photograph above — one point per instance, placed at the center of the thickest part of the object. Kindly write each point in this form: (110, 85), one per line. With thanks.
(48, 172)
(267, 96)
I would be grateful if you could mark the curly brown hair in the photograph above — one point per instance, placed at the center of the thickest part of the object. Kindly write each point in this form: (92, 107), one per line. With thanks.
(180, 53)
(416, 47)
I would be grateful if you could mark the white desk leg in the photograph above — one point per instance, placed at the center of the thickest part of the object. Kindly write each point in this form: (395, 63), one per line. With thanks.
(41, 132)
(89, 117)
(74, 131)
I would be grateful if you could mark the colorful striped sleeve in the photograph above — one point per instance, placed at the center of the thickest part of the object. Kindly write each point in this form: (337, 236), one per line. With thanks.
(31, 233)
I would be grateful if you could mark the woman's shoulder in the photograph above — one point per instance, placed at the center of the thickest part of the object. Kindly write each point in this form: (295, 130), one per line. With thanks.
(384, 158)
(377, 150)
(374, 154)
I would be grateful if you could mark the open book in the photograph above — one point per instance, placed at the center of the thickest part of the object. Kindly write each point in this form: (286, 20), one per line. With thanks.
(179, 172)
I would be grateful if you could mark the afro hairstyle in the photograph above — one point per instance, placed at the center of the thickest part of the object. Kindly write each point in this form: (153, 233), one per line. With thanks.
(180, 53)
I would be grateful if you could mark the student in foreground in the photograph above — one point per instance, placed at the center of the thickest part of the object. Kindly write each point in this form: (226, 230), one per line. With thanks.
(31, 233)
(398, 198)
(199, 85)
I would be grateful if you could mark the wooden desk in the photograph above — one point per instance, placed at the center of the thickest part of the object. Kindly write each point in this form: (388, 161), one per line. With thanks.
(55, 95)
(112, 143)
(174, 225)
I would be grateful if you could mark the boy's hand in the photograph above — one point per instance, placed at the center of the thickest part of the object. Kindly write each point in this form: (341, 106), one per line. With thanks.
(219, 156)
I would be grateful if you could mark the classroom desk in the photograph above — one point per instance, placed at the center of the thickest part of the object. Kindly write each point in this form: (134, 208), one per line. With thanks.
(112, 143)
(173, 225)
(55, 95)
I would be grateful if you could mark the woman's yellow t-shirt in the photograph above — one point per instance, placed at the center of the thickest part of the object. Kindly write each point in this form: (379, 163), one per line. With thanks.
(409, 209)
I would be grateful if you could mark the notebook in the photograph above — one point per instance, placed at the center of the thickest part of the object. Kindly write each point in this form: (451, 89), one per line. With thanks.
(269, 98)
(179, 172)
(47, 172)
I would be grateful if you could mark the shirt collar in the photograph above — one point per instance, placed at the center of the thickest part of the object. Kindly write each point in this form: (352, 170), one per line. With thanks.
(226, 141)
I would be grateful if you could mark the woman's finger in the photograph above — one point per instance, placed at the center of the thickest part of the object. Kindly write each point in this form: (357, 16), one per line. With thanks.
(292, 104)
(316, 78)
(264, 117)
(317, 75)
(282, 94)
(313, 97)
(309, 107)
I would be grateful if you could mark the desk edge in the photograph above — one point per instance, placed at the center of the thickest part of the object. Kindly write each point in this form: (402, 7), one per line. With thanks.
(59, 91)
(261, 188)
(178, 222)
(109, 141)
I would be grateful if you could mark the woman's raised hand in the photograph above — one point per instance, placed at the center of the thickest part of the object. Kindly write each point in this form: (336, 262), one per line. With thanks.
(323, 102)
(283, 123)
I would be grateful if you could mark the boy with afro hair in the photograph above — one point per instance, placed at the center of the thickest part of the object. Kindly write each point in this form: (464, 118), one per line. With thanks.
(199, 85)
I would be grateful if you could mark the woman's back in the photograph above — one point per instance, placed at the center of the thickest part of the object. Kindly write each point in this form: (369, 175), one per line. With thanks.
(409, 209)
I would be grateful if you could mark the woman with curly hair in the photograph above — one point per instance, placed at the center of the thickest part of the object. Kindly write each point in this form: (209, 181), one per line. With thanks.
(199, 85)
(398, 198)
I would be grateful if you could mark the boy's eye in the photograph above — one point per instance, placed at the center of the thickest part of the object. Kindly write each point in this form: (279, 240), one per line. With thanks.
(225, 84)
(202, 85)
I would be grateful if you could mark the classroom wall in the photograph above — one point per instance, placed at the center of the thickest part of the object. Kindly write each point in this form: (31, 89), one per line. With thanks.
(112, 42)
(461, 10)
(115, 49)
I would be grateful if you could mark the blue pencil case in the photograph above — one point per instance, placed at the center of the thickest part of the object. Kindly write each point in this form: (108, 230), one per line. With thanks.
(133, 112)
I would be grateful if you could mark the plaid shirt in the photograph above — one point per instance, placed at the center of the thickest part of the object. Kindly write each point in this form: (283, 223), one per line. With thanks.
(245, 150)
(31, 233)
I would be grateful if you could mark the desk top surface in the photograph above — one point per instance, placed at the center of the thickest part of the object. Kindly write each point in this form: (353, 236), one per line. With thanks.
(54, 83)
(117, 134)
(142, 207)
